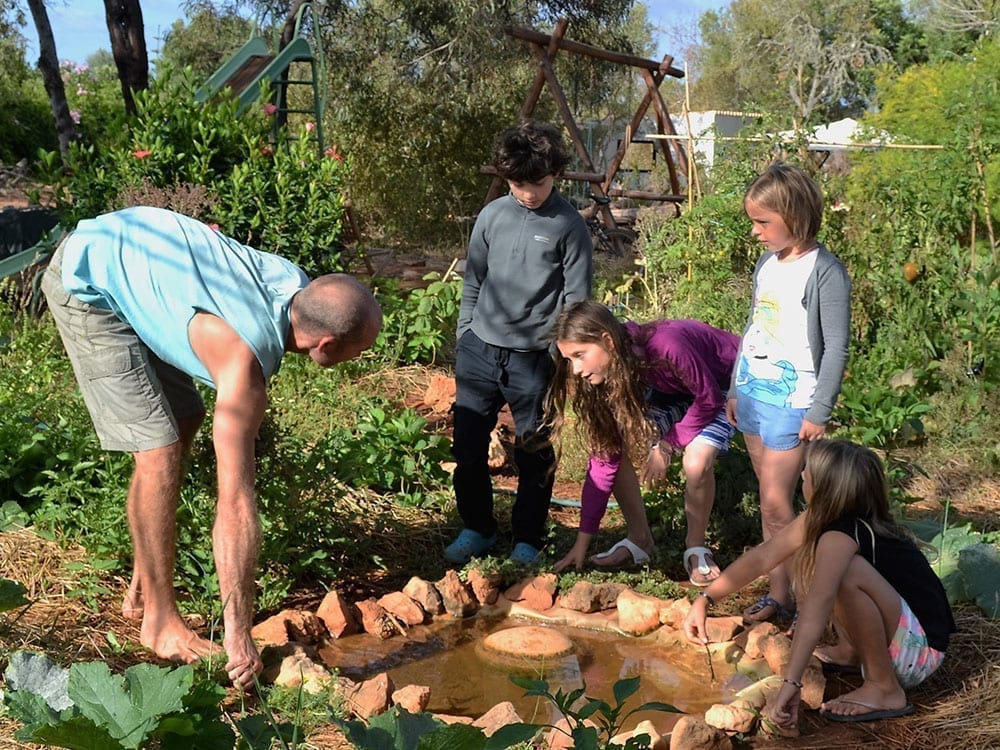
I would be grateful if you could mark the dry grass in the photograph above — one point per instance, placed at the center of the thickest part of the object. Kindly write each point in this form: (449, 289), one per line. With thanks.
(968, 493)
(959, 707)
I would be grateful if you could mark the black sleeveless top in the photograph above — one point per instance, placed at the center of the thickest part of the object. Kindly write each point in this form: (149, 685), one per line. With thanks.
(906, 569)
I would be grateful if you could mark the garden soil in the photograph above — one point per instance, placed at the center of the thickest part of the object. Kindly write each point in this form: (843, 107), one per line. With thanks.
(958, 707)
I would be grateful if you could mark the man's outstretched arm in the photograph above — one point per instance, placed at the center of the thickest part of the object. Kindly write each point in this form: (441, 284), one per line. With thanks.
(239, 410)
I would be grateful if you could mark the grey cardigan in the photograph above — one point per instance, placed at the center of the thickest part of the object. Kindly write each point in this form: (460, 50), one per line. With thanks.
(827, 301)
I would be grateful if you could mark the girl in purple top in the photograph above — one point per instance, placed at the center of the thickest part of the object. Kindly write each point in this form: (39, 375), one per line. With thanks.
(632, 386)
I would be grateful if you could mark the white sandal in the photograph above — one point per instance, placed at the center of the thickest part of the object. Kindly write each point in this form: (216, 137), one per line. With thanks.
(702, 556)
(639, 555)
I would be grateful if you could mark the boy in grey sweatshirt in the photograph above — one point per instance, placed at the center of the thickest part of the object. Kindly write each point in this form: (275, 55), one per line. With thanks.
(530, 254)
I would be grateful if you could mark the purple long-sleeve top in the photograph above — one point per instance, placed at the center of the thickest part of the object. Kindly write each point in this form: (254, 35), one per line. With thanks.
(676, 356)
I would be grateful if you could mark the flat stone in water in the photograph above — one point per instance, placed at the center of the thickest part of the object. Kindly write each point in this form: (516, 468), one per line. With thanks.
(528, 642)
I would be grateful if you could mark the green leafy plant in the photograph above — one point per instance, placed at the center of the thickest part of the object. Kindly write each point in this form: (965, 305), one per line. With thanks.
(966, 561)
(277, 193)
(877, 414)
(609, 719)
(398, 729)
(391, 451)
(416, 326)
(87, 706)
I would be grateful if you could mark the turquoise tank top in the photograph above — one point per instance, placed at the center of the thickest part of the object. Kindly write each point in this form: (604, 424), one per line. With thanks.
(155, 269)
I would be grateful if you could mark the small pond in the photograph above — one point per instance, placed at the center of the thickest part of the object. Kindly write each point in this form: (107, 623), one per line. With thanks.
(445, 656)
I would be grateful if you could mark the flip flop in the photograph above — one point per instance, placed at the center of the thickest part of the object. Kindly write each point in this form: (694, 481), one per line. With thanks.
(874, 714)
(701, 555)
(639, 555)
(780, 611)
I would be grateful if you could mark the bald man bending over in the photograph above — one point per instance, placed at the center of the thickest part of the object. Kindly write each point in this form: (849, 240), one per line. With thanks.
(146, 300)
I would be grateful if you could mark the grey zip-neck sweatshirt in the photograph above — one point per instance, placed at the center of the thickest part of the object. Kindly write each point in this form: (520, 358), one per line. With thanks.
(523, 266)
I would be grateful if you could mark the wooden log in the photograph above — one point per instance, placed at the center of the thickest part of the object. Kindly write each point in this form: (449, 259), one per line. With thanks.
(537, 37)
(646, 195)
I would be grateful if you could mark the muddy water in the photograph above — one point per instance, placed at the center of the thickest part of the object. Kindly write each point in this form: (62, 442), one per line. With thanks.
(446, 657)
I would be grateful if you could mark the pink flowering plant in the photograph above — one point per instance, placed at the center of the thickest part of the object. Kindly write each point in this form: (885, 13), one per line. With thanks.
(280, 192)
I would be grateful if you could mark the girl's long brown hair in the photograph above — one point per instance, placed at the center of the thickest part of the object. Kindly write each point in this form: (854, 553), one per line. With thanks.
(611, 416)
(848, 480)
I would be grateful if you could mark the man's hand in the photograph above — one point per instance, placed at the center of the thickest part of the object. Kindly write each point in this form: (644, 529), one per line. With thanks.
(244, 661)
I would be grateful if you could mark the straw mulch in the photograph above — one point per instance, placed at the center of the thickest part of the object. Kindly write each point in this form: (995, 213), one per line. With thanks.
(959, 707)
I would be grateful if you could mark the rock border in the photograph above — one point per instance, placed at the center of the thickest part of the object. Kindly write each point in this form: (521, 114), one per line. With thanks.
(289, 643)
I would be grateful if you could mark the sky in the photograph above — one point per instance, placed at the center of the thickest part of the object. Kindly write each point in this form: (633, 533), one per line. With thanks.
(79, 28)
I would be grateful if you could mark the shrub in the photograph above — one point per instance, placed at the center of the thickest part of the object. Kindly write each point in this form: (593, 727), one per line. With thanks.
(418, 325)
(278, 194)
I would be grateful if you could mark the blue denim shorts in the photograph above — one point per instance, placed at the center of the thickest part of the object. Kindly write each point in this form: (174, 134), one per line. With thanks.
(777, 426)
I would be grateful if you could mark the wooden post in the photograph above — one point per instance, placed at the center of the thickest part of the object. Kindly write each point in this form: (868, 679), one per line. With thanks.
(531, 101)
(545, 47)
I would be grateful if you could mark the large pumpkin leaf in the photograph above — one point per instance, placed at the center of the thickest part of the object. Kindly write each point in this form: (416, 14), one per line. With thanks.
(38, 674)
(980, 568)
(130, 708)
(949, 543)
(76, 733)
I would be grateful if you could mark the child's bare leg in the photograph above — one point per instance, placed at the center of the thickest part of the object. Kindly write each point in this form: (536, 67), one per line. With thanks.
(777, 476)
(699, 497)
(629, 496)
(874, 609)
(843, 651)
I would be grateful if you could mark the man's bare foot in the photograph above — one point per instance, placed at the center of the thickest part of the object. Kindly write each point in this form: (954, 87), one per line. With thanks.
(132, 605)
(244, 661)
(177, 642)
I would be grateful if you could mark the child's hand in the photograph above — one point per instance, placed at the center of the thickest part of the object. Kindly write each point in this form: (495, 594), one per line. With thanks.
(809, 432)
(574, 557)
(731, 411)
(655, 469)
(785, 712)
(694, 623)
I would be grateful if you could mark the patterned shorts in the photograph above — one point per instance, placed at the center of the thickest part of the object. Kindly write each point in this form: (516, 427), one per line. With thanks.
(913, 660)
(666, 410)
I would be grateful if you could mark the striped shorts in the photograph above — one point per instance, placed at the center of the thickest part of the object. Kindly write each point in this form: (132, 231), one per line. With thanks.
(665, 411)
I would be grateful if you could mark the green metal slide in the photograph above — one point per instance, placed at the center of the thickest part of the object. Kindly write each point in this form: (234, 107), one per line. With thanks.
(253, 64)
